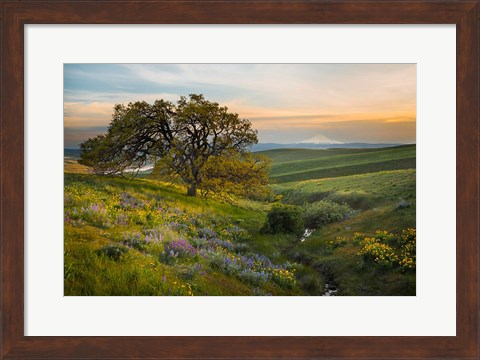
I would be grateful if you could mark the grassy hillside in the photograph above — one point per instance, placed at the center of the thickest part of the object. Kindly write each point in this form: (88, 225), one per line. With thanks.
(72, 166)
(384, 201)
(303, 164)
(145, 237)
(141, 237)
(361, 191)
(293, 154)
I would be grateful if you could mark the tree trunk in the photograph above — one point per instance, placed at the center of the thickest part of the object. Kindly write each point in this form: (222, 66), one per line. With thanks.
(192, 190)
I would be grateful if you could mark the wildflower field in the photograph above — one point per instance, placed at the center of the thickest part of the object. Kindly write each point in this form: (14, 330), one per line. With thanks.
(141, 236)
(135, 237)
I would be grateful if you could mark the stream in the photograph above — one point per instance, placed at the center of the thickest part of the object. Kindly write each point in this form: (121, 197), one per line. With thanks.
(306, 234)
(329, 289)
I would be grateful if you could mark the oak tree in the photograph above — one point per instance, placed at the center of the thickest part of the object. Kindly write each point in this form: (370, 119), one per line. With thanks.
(195, 140)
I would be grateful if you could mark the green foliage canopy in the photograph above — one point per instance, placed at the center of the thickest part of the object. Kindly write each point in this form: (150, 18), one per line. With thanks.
(196, 140)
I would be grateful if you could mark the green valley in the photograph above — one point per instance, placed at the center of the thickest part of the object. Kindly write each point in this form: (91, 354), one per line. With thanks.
(142, 236)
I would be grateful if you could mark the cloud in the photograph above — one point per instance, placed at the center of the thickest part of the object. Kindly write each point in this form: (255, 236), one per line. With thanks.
(315, 121)
(297, 98)
(369, 131)
(86, 115)
(74, 136)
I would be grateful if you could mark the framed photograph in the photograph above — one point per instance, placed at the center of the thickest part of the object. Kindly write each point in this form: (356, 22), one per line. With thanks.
(239, 179)
(216, 204)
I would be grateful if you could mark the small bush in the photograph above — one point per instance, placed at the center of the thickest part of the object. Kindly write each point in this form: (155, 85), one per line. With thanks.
(224, 263)
(206, 233)
(128, 201)
(134, 240)
(94, 214)
(113, 251)
(325, 212)
(284, 219)
(253, 277)
(192, 271)
(153, 236)
(235, 233)
(403, 204)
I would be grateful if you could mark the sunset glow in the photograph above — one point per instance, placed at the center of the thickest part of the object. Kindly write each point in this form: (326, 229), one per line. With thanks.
(286, 103)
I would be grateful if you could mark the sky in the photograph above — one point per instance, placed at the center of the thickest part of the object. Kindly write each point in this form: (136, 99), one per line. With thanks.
(286, 103)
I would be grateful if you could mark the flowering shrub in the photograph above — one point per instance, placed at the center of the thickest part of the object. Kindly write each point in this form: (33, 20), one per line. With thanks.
(227, 263)
(95, 215)
(283, 277)
(134, 240)
(216, 242)
(253, 277)
(254, 269)
(385, 236)
(374, 249)
(234, 233)
(128, 201)
(180, 247)
(75, 222)
(153, 236)
(194, 270)
(182, 228)
(358, 237)
(325, 212)
(408, 242)
(206, 233)
(389, 250)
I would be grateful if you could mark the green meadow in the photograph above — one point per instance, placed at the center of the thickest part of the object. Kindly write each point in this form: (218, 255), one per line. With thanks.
(305, 164)
(338, 222)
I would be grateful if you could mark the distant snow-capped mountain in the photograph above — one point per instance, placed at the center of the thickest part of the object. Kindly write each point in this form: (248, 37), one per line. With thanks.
(309, 145)
(320, 139)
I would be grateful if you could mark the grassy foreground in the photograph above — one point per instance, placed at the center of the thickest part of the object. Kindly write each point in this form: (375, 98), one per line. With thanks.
(144, 237)
(140, 237)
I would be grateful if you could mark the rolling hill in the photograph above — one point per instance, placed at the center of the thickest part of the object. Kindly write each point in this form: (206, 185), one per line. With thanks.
(140, 236)
(305, 164)
(310, 145)
(380, 184)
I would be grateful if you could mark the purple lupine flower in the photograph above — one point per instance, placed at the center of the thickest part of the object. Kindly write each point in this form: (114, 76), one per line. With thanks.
(97, 208)
(122, 219)
(222, 243)
(206, 233)
(128, 201)
(153, 236)
(181, 247)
